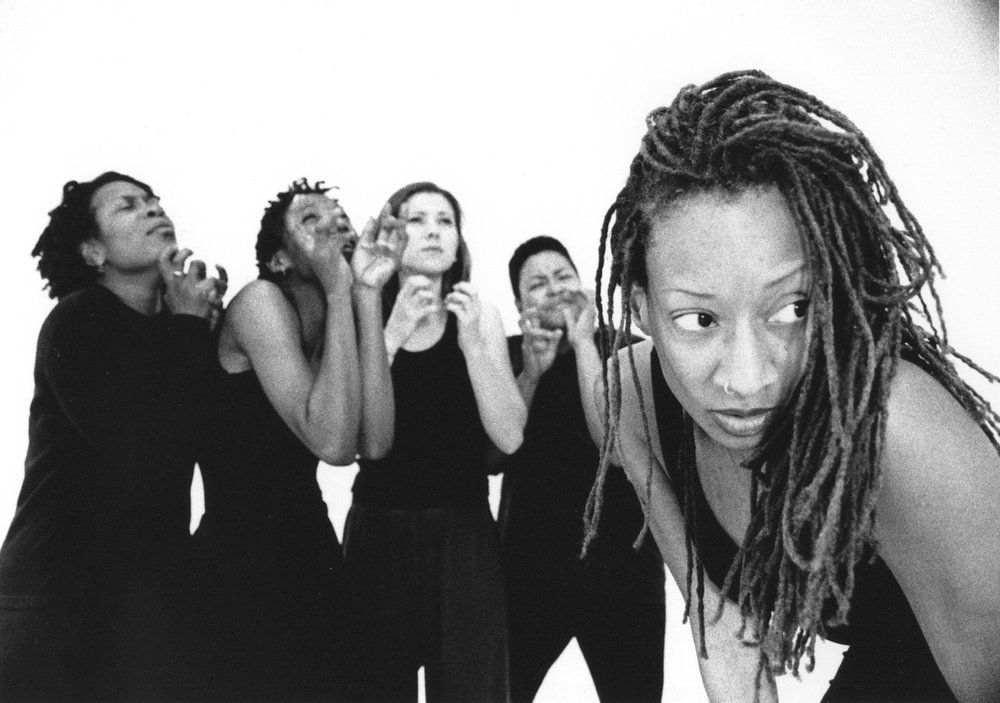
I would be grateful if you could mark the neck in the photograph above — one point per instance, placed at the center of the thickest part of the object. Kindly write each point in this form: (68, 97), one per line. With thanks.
(310, 302)
(436, 279)
(143, 292)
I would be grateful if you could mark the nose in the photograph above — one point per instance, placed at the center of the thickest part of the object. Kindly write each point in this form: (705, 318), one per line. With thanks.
(153, 208)
(749, 361)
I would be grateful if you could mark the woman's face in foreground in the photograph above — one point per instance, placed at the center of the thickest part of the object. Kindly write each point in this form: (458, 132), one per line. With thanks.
(727, 308)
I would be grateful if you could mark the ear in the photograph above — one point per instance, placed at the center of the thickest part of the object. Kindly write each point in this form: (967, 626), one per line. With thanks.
(94, 253)
(280, 263)
(640, 309)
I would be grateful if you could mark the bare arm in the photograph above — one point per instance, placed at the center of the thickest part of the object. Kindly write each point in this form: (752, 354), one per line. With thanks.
(939, 518)
(538, 352)
(580, 332)
(321, 405)
(730, 671)
(481, 338)
(376, 258)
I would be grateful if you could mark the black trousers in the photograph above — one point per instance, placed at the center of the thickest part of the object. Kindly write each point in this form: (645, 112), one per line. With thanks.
(621, 639)
(426, 590)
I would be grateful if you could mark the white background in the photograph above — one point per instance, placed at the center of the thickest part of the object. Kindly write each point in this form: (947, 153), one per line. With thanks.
(528, 111)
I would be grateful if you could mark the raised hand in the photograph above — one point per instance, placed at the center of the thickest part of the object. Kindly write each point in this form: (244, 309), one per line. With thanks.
(416, 300)
(193, 292)
(379, 250)
(463, 301)
(539, 346)
(323, 246)
(580, 320)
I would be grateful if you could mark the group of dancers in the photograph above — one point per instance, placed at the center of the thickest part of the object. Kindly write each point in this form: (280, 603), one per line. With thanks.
(790, 424)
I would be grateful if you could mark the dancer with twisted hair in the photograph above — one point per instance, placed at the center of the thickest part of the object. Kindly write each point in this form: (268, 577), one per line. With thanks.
(816, 454)
(305, 378)
(96, 572)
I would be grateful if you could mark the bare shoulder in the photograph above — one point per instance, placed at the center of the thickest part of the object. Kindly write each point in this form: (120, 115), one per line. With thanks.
(940, 486)
(636, 380)
(931, 440)
(638, 450)
(261, 307)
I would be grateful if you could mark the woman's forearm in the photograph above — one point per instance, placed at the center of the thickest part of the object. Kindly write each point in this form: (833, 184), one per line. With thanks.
(333, 406)
(501, 407)
(378, 409)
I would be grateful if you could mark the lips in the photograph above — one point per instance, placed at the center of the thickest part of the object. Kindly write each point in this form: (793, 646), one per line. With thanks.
(743, 423)
(161, 228)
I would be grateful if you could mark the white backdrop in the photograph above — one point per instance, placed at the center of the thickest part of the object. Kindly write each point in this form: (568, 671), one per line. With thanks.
(528, 111)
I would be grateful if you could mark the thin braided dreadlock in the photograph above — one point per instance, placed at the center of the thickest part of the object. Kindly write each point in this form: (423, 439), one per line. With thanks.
(815, 478)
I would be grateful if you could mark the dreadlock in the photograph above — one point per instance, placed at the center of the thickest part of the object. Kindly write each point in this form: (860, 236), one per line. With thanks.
(71, 224)
(272, 224)
(815, 477)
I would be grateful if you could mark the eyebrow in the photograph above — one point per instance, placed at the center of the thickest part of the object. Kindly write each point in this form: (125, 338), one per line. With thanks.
(798, 270)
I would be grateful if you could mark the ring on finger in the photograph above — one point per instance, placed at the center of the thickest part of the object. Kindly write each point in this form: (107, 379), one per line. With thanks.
(178, 274)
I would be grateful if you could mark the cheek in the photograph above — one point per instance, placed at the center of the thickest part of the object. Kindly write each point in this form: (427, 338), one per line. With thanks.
(688, 360)
(790, 352)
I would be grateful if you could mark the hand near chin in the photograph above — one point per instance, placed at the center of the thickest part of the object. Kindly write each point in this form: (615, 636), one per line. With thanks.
(539, 346)
(415, 301)
(192, 292)
(379, 250)
(464, 302)
(325, 252)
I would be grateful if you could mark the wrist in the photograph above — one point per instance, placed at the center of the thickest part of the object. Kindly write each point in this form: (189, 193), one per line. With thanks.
(364, 293)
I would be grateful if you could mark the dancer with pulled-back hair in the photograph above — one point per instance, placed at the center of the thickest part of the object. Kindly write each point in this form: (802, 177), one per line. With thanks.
(420, 545)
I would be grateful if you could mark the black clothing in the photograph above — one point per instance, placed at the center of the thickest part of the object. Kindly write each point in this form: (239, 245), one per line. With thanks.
(439, 445)
(273, 559)
(99, 557)
(431, 594)
(888, 658)
(553, 595)
(421, 549)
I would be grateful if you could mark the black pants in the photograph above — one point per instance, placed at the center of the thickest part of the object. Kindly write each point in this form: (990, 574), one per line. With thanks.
(133, 641)
(426, 590)
(621, 639)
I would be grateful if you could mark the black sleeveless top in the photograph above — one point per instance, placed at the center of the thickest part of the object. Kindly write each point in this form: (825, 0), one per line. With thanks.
(438, 456)
(263, 506)
(888, 658)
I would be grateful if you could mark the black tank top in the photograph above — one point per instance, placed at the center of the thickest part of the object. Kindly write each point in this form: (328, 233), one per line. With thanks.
(262, 500)
(438, 456)
(888, 659)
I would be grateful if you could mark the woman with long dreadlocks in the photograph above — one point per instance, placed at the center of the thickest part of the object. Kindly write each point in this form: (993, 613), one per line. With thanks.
(812, 465)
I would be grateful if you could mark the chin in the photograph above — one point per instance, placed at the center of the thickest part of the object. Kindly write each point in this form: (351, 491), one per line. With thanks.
(719, 436)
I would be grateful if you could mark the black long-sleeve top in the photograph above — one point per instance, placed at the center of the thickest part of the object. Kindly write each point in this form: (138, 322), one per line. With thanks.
(117, 421)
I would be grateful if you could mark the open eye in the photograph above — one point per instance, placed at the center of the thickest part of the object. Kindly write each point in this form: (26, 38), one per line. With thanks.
(793, 312)
(695, 321)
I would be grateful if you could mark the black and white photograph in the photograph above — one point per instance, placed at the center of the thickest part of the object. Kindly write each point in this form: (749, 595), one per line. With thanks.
(451, 352)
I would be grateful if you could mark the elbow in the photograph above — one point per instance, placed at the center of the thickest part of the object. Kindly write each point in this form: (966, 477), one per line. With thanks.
(376, 448)
(338, 453)
(338, 458)
(510, 442)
